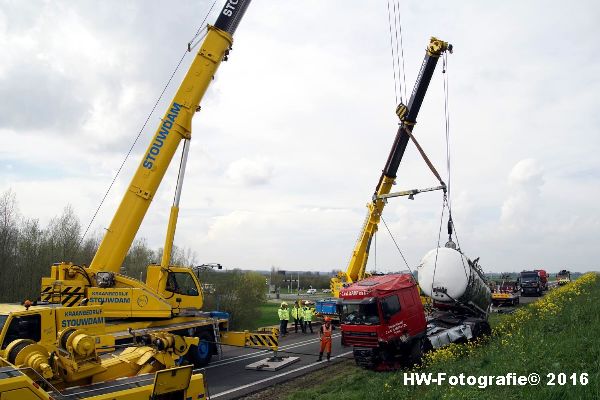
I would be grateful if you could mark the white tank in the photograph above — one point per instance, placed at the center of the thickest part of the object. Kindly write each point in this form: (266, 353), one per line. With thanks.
(453, 279)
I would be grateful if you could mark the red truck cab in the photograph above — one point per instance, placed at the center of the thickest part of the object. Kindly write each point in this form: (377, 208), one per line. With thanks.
(382, 312)
(543, 278)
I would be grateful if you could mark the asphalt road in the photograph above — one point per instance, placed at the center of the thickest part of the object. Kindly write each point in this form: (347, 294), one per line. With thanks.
(529, 299)
(522, 300)
(228, 379)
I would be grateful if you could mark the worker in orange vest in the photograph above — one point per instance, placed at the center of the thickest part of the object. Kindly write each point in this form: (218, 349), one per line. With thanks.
(325, 336)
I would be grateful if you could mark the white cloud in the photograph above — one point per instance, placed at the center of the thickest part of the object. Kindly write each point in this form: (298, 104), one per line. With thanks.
(522, 209)
(296, 126)
(250, 172)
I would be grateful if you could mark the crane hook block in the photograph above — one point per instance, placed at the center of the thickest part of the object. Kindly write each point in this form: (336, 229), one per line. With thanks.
(401, 111)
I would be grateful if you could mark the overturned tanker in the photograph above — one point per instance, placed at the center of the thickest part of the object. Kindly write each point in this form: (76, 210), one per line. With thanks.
(384, 320)
(453, 281)
(460, 294)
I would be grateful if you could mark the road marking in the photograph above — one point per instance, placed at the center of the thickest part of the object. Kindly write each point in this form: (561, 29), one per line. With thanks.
(262, 353)
(273, 377)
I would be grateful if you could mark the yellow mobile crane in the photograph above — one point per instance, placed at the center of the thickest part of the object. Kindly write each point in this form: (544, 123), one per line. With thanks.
(356, 269)
(75, 370)
(171, 298)
(172, 383)
(76, 359)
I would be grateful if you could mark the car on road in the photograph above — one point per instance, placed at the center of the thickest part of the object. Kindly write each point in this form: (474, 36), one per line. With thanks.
(311, 291)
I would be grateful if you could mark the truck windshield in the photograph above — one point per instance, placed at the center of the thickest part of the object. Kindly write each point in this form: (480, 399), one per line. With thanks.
(3, 319)
(529, 277)
(360, 314)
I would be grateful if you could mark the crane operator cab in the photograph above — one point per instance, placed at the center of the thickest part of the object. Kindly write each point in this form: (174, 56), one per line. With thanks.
(26, 326)
(181, 283)
(179, 286)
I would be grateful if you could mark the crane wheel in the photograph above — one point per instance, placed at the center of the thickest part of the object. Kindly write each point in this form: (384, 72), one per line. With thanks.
(201, 354)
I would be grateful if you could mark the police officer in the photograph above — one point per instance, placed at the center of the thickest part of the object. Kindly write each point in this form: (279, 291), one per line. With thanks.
(284, 317)
(308, 314)
(325, 336)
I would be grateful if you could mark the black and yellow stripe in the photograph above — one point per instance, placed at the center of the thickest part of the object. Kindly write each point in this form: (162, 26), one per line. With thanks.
(68, 296)
(262, 340)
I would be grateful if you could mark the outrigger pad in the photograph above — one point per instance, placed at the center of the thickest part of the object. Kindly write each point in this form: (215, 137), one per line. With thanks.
(272, 364)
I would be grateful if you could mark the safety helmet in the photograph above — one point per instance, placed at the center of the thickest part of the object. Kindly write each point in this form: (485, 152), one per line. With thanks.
(283, 303)
(327, 319)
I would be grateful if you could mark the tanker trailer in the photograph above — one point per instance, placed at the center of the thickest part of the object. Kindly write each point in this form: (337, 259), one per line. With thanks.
(388, 328)
(461, 296)
(449, 278)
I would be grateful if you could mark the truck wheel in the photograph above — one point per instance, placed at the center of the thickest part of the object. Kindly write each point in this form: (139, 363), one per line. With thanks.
(201, 355)
(415, 354)
(367, 358)
(480, 329)
(485, 329)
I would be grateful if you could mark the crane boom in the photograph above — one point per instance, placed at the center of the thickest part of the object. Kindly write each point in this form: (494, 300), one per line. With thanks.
(408, 117)
(175, 126)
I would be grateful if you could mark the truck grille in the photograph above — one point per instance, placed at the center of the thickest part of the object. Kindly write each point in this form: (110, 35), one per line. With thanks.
(362, 339)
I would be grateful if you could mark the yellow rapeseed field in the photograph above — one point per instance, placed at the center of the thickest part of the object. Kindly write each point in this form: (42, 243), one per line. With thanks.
(510, 327)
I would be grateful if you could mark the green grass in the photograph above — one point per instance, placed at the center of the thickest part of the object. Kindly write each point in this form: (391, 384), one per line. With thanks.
(268, 316)
(559, 333)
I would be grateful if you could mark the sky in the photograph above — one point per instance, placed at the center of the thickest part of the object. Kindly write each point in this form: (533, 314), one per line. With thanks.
(297, 125)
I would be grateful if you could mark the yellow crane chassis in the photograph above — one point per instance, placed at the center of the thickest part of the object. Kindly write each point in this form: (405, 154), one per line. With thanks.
(15, 384)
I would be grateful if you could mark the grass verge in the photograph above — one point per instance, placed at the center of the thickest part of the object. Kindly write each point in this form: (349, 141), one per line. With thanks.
(268, 316)
(557, 334)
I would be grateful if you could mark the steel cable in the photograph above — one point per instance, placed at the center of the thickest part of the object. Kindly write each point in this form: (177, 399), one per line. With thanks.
(437, 249)
(447, 124)
(397, 247)
(448, 155)
(146, 122)
(401, 50)
(392, 49)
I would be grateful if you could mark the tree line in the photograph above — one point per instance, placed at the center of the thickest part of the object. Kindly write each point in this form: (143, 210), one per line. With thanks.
(28, 249)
